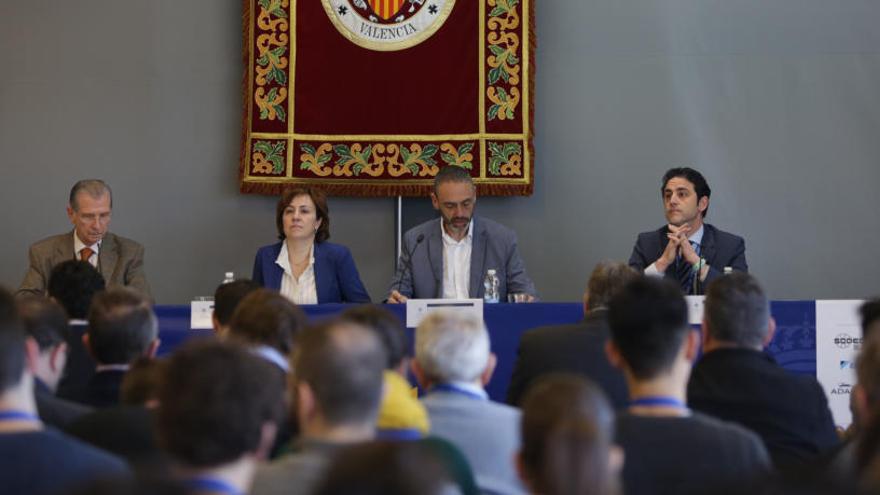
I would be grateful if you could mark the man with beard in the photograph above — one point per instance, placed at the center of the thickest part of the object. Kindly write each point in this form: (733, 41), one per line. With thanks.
(450, 260)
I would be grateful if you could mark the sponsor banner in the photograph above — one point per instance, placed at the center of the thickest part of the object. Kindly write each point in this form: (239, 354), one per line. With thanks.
(838, 341)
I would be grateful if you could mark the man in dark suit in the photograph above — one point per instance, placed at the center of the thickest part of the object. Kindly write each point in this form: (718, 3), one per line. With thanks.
(120, 260)
(122, 327)
(687, 250)
(577, 348)
(46, 324)
(449, 258)
(736, 381)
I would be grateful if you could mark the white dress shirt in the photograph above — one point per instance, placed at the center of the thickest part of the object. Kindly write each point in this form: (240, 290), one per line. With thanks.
(300, 290)
(79, 245)
(457, 263)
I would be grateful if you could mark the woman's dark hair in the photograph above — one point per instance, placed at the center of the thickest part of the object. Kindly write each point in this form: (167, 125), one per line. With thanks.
(322, 212)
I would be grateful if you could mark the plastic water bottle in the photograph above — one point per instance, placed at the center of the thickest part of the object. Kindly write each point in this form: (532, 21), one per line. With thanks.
(228, 277)
(491, 284)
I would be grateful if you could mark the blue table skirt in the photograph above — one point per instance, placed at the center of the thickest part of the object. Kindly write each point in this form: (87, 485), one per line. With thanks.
(793, 346)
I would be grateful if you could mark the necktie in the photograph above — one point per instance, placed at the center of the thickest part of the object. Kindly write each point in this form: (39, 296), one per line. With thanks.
(685, 271)
(85, 254)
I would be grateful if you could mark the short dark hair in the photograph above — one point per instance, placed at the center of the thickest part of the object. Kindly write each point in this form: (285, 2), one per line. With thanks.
(606, 280)
(227, 296)
(737, 310)
(567, 432)
(73, 284)
(322, 211)
(701, 187)
(44, 320)
(214, 398)
(343, 363)
(265, 317)
(387, 327)
(12, 338)
(122, 325)
(452, 173)
(93, 187)
(870, 313)
(649, 323)
(386, 468)
(141, 382)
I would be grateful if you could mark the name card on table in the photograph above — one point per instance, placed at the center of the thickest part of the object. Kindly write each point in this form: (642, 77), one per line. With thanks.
(695, 309)
(201, 313)
(417, 309)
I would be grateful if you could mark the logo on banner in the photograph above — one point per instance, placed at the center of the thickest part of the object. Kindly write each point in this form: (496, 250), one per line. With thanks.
(847, 365)
(388, 25)
(841, 389)
(845, 341)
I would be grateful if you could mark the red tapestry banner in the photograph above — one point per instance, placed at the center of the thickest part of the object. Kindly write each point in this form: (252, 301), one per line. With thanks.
(373, 97)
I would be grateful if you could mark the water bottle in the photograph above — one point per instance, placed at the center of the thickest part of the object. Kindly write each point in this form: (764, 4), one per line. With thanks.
(491, 284)
(228, 277)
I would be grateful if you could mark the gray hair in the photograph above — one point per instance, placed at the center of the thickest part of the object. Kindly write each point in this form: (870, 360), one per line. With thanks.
(452, 347)
(737, 310)
(93, 187)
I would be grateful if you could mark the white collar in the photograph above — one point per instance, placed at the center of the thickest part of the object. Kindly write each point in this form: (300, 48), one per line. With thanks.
(448, 238)
(78, 245)
(283, 259)
(469, 388)
(272, 355)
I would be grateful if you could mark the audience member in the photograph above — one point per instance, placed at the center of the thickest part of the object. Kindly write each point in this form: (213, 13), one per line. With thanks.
(127, 429)
(576, 348)
(37, 460)
(736, 381)
(226, 299)
(336, 388)
(219, 408)
(453, 363)
(401, 415)
(267, 322)
(73, 284)
(669, 448)
(386, 468)
(870, 313)
(46, 323)
(122, 327)
(567, 438)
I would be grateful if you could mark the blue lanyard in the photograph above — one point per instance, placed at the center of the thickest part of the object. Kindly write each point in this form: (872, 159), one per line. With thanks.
(446, 387)
(206, 484)
(17, 416)
(658, 400)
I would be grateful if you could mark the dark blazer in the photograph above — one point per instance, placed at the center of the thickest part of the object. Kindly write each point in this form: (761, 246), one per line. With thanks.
(55, 411)
(420, 269)
(789, 412)
(336, 276)
(120, 261)
(103, 388)
(718, 248)
(80, 365)
(124, 430)
(577, 348)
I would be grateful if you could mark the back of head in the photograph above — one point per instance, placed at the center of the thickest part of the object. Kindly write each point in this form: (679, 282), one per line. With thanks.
(870, 312)
(214, 398)
(73, 284)
(44, 320)
(265, 317)
(12, 338)
(737, 311)
(606, 280)
(452, 347)
(452, 174)
(387, 327)
(701, 187)
(228, 296)
(649, 322)
(141, 383)
(386, 468)
(567, 428)
(343, 365)
(122, 326)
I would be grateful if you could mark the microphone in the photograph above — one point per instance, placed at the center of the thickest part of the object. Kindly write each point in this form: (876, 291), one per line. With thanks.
(408, 263)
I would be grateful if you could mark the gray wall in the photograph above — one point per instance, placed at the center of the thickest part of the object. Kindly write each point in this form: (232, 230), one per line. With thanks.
(777, 103)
